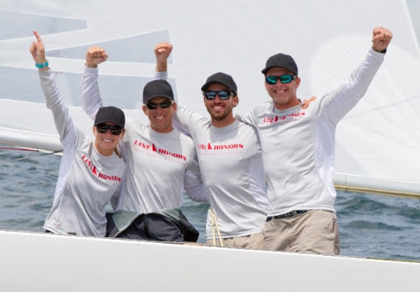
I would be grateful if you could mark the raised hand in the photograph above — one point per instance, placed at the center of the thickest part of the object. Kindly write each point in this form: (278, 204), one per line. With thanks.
(95, 56)
(37, 49)
(381, 38)
(162, 52)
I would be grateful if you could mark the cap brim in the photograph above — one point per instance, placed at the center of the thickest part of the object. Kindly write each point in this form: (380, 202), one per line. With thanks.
(207, 85)
(158, 95)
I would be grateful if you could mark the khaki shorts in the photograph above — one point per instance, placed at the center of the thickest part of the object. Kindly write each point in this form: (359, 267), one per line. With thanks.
(314, 231)
(253, 241)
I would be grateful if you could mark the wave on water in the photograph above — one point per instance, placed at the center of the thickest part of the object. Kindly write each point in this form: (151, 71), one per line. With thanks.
(379, 226)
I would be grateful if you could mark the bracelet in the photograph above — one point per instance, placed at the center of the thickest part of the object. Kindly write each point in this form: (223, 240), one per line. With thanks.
(382, 52)
(42, 65)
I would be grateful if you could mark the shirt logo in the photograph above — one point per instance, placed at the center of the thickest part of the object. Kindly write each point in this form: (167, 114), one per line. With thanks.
(159, 150)
(209, 146)
(283, 118)
(101, 175)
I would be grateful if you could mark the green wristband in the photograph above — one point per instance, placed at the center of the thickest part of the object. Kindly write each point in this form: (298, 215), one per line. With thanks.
(42, 65)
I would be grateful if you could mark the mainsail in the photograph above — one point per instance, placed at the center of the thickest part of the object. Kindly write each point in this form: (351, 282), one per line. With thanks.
(377, 142)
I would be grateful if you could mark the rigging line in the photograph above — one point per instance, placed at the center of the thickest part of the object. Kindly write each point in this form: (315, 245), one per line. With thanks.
(19, 149)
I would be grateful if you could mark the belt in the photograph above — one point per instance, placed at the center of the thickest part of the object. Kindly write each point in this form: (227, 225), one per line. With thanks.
(286, 215)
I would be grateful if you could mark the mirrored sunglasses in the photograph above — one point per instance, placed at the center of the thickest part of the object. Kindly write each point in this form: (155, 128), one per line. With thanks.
(283, 79)
(223, 94)
(103, 128)
(153, 105)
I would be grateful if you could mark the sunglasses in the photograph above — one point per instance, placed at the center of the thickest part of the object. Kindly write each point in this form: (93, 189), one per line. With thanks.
(103, 128)
(223, 94)
(153, 105)
(283, 79)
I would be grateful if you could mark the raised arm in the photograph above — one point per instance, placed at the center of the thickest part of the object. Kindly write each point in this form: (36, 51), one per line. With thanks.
(343, 99)
(53, 97)
(162, 52)
(183, 118)
(193, 184)
(37, 51)
(91, 97)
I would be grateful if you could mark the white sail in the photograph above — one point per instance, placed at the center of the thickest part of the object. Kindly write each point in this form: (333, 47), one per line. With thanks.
(377, 142)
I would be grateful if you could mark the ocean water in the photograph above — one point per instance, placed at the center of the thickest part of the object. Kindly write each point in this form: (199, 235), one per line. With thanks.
(371, 226)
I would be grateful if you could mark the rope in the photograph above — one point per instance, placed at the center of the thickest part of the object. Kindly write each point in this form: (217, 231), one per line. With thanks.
(215, 225)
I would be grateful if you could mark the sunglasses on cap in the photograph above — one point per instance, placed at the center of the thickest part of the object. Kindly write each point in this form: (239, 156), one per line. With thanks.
(223, 94)
(103, 128)
(153, 105)
(283, 79)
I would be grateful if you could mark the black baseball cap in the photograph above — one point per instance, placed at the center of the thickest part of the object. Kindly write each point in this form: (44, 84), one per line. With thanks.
(283, 61)
(110, 114)
(157, 88)
(223, 79)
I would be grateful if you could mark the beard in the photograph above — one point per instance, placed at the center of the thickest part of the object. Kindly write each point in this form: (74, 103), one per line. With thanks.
(220, 116)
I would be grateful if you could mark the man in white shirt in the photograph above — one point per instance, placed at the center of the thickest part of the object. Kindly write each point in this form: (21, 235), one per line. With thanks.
(298, 151)
(161, 162)
(230, 159)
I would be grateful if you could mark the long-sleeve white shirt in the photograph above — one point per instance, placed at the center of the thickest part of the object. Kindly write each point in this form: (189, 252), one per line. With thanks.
(159, 165)
(298, 144)
(233, 175)
(87, 180)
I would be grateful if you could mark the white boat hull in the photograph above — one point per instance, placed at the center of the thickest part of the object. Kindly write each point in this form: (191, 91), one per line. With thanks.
(43, 262)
